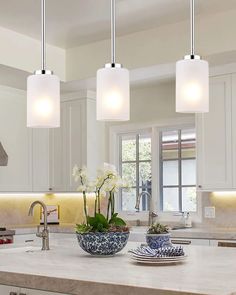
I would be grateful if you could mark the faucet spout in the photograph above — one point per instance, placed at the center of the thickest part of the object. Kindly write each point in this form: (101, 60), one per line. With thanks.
(151, 214)
(45, 233)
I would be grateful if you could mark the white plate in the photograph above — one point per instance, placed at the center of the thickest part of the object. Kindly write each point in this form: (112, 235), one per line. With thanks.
(158, 258)
(158, 262)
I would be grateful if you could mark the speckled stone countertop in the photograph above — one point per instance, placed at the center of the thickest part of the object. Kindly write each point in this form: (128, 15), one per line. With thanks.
(69, 270)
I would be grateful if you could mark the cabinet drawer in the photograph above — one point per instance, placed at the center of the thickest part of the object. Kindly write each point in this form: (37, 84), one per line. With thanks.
(199, 242)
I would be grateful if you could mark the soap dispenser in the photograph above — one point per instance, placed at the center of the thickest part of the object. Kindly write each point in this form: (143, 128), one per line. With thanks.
(188, 220)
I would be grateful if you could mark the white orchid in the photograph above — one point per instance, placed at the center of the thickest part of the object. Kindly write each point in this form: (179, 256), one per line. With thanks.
(108, 182)
(81, 175)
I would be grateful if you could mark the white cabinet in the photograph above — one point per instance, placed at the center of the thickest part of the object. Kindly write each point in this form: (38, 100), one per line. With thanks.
(74, 138)
(37, 292)
(234, 128)
(83, 135)
(223, 243)
(16, 139)
(9, 290)
(79, 141)
(41, 160)
(214, 137)
(40, 152)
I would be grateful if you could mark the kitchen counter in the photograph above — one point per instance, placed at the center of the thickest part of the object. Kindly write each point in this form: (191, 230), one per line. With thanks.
(207, 271)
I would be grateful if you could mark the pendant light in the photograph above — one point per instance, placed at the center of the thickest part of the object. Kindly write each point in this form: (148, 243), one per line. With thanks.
(43, 91)
(113, 89)
(192, 80)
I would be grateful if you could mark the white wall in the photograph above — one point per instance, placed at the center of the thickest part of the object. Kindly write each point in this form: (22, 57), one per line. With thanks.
(24, 53)
(150, 104)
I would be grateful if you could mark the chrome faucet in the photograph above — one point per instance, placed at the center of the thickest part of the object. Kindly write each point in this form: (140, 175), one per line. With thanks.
(151, 214)
(44, 234)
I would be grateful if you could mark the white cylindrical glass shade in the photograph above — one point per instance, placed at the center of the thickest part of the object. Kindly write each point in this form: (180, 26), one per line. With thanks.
(113, 94)
(192, 86)
(43, 101)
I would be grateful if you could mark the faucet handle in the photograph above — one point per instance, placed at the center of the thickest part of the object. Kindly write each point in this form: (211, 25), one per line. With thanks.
(153, 214)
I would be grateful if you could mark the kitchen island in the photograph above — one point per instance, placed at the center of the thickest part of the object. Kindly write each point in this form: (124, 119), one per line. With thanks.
(69, 270)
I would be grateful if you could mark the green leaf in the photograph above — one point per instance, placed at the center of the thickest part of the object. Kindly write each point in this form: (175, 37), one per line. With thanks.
(114, 215)
(83, 228)
(92, 221)
(98, 223)
(116, 221)
(101, 219)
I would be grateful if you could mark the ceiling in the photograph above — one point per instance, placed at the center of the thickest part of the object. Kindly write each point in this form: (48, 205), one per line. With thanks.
(74, 22)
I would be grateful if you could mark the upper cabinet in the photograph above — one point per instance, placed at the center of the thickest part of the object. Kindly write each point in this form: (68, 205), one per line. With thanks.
(216, 137)
(16, 140)
(41, 160)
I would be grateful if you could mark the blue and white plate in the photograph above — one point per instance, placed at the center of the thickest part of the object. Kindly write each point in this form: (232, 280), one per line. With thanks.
(167, 255)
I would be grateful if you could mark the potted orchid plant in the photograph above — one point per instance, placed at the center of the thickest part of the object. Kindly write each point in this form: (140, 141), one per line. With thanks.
(103, 233)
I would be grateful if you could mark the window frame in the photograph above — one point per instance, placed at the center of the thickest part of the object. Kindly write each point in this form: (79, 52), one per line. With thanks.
(155, 128)
(180, 186)
(137, 161)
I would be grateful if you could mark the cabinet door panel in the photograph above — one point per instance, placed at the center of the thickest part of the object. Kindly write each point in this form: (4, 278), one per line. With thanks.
(41, 181)
(6, 290)
(234, 128)
(214, 141)
(16, 140)
(75, 139)
(58, 155)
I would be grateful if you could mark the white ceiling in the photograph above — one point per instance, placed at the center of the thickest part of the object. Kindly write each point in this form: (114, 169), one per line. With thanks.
(75, 22)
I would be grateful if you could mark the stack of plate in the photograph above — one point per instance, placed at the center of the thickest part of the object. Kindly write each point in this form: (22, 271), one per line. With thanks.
(167, 255)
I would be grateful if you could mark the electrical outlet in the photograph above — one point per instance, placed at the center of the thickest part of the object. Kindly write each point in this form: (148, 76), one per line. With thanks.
(210, 212)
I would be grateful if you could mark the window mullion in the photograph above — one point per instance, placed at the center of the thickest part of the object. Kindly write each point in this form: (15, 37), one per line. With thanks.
(161, 172)
(137, 165)
(120, 169)
(180, 171)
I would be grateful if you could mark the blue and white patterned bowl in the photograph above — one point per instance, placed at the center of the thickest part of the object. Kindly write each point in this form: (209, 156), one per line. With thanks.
(108, 243)
(158, 241)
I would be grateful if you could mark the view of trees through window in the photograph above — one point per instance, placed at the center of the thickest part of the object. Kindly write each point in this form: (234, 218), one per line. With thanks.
(135, 167)
(178, 170)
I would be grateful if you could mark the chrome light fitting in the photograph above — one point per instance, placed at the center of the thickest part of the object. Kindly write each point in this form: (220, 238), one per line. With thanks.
(113, 85)
(192, 79)
(43, 90)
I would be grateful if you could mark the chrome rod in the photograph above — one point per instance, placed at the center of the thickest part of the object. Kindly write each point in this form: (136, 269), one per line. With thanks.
(43, 33)
(113, 32)
(192, 13)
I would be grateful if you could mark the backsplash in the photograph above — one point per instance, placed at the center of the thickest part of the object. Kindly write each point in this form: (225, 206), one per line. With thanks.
(225, 209)
(14, 209)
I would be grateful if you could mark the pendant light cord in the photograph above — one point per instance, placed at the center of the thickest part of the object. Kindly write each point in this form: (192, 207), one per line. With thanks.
(43, 34)
(113, 32)
(192, 12)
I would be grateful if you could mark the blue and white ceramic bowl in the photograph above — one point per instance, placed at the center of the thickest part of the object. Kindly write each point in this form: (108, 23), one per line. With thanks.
(108, 243)
(156, 241)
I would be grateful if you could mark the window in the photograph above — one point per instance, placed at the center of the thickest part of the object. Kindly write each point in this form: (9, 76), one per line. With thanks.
(135, 167)
(178, 170)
